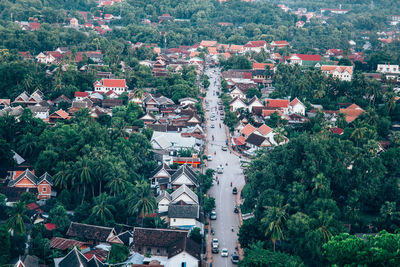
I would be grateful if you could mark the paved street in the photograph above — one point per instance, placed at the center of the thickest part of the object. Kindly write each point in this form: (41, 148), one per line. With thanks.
(224, 199)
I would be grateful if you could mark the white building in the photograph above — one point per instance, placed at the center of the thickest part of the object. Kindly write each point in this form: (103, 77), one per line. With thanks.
(105, 85)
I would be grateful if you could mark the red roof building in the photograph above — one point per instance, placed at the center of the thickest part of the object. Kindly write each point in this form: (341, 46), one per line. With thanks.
(117, 85)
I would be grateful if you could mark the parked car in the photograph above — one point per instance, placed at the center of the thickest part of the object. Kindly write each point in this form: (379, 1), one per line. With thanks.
(212, 126)
(235, 257)
(224, 148)
(213, 215)
(215, 245)
(220, 169)
(236, 209)
(224, 252)
(209, 158)
(234, 191)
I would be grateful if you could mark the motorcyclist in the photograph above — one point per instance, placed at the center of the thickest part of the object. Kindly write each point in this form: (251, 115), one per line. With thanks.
(231, 184)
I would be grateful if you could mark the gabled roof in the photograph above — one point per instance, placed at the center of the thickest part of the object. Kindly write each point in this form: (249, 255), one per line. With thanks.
(187, 170)
(276, 103)
(164, 194)
(255, 139)
(62, 98)
(45, 177)
(261, 66)
(295, 101)
(185, 244)
(183, 189)
(256, 44)
(208, 43)
(237, 99)
(269, 112)
(332, 68)
(89, 232)
(28, 174)
(60, 113)
(264, 129)
(163, 166)
(81, 94)
(254, 99)
(65, 244)
(183, 211)
(248, 129)
(73, 259)
(114, 83)
(352, 112)
(307, 57)
(152, 237)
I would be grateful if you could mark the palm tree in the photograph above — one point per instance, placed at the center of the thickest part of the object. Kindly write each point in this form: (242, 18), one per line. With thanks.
(83, 175)
(138, 93)
(27, 144)
(117, 183)
(102, 209)
(321, 185)
(358, 134)
(63, 176)
(279, 135)
(141, 201)
(274, 219)
(17, 217)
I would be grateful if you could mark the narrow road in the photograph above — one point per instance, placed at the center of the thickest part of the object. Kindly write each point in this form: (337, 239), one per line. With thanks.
(224, 199)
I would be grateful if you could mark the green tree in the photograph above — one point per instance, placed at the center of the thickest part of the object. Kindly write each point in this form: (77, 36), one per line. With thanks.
(253, 92)
(5, 245)
(102, 211)
(17, 218)
(59, 216)
(274, 220)
(195, 235)
(141, 201)
(118, 253)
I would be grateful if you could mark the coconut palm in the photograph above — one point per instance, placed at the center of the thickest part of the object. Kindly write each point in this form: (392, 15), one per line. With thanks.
(117, 183)
(141, 201)
(279, 136)
(102, 210)
(82, 175)
(63, 176)
(274, 219)
(27, 144)
(15, 222)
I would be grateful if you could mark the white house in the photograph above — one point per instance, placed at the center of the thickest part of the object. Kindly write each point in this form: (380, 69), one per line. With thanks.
(256, 46)
(388, 69)
(45, 59)
(187, 101)
(184, 253)
(105, 85)
(39, 112)
(236, 104)
(183, 216)
(163, 201)
(343, 73)
(183, 193)
(236, 92)
(254, 102)
(296, 106)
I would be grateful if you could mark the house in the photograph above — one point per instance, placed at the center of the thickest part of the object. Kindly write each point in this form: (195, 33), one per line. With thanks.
(296, 106)
(254, 103)
(93, 234)
(27, 179)
(183, 216)
(62, 98)
(352, 112)
(150, 103)
(39, 112)
(59, 115)
(26, 261)
(161, 177)
(343, 73)
(256, 46)
(236, 92)
(279, 44)
(46, 59)
(300, 24)
(187, 101)
(236, 104)
(148, 118)
(163, 201)
(13, 194)
(185, 252)
(262, 66)
(277, 104)
(388, 69)
(184, 176)
(185, 194)
(173, 141)
(117, 85)
(236, 49)
(256, 141)
(208, 43)
(74, 23)
(27, 100)
(75, 258)
(110, 103)
(304, 60)
(247, 130)
(79, 96)
(66, 244)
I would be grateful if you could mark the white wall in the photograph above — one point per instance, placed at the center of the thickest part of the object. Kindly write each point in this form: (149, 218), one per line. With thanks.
(177, 260)
(175, 222)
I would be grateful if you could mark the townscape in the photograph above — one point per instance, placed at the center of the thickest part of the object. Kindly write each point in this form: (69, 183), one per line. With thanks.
(206, 133)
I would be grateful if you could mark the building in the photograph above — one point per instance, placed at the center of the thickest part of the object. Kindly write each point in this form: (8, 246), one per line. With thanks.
(28, 179)
(352, 112)
(343, 73)
(305, 60)
(105, 85)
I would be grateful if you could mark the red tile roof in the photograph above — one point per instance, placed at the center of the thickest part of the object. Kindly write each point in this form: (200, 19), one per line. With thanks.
(269, 112)
(256, 44)
(338, 131)
(352, 112)
(81, 94)
(32, 206)
(276, 103)
(208, 43)
(261, 66)
(62, 114)
(248, 129)
(34, 25)
(64, 243)
(307, 57)
(114, 82)
(264, 129)
(294, 102)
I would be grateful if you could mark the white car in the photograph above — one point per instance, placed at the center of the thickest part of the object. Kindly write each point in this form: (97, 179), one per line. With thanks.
(209, 158)
(212, 126)
(224, 252)
(212, 119)
(213, 215)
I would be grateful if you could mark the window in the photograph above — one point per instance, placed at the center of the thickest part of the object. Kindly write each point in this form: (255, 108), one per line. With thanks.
(158, 251)
(149, 250)
(140, 249)
(183, 264)
(44, 189)
(174, 220)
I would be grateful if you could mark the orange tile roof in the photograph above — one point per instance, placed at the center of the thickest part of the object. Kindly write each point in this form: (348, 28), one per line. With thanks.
(157, 50)
(208, 43)
(352, 112)
(261, 66)
(114, 82)
(241, 140)
(236, 48)
(276, 103)
(212, 50)
(294, 102)
(248, 129)
(194, 54)
(269, 112)
(62, 114)
(332, 68)
(222, 46)
(264, 129)
(227, 55)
